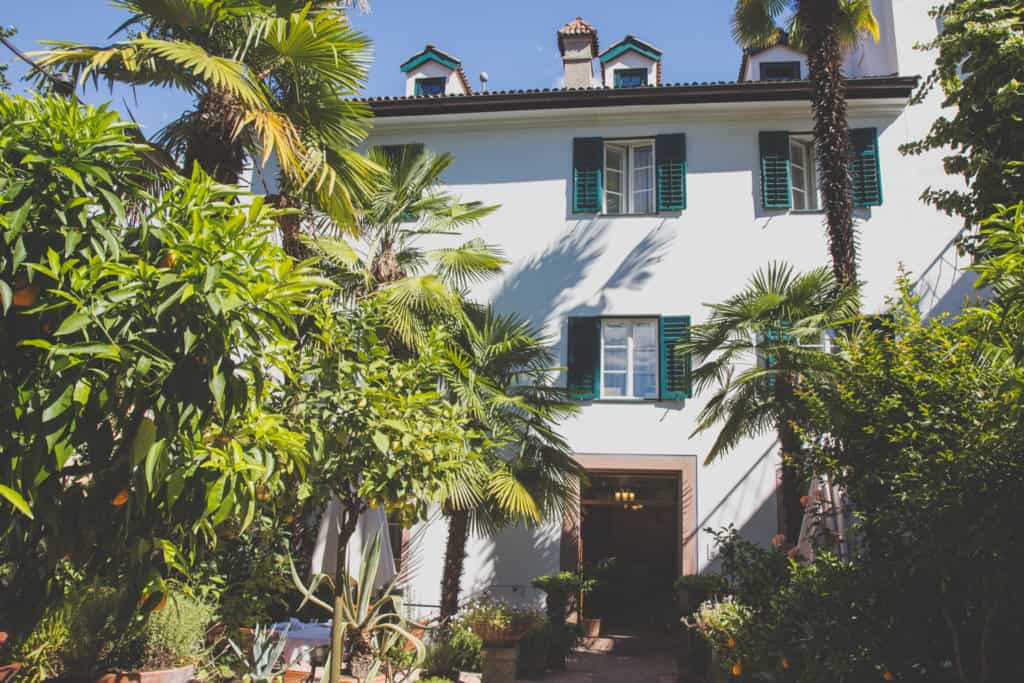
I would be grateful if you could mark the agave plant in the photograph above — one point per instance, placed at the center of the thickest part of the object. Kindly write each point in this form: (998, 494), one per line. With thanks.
(261, 663)
(367, 620)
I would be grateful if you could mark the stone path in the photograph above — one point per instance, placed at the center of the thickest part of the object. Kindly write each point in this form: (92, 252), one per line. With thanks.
(616, 659)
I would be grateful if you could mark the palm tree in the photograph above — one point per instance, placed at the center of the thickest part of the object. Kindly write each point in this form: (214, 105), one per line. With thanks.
(268, 78)
(416, 285)
(500, 370)
(754, 351)
(822, 29)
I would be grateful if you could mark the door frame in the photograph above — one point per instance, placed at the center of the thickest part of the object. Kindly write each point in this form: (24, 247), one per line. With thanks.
(683, 466)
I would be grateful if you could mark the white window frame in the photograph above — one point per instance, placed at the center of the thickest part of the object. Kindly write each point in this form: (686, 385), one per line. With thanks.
(630, 358)
(809, 191)
(629, 147)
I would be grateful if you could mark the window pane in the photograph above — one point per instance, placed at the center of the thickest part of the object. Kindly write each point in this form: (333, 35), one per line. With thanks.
(799, 200)
(644, 386)
(615, 359)
(645, 336)
(613, 203)
(615, 334)
(645, 362)
(615, 158)
(643, 202)
(615, 384)
(799, 178)
(643, 156)
(614, 181)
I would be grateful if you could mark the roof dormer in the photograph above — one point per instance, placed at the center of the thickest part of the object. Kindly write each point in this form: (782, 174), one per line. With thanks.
(432, 72)
(630, 63)
(775, 61)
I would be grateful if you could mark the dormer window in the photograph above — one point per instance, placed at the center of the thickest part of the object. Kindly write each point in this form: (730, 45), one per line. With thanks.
(430, 86)
(780, 71)
(630, 78)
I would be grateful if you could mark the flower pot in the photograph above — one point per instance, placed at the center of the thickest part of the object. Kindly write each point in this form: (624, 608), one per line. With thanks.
(591, 628)
(182, 674)
(9, 671)
(498, 637)
(500, 664)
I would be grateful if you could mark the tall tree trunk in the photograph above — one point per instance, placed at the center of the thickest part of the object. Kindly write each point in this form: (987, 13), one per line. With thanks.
(831, 132)
(791, 511)
(290, 226)
(213, 144)
(348, 527)
(454, 562)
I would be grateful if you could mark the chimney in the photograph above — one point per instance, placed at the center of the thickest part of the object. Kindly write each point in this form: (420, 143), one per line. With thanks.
(577, 41)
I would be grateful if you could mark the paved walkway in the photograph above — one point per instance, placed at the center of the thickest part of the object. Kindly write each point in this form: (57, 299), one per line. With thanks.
(616, 659)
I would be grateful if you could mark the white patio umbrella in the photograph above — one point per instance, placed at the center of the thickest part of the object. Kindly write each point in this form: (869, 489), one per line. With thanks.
(371, 522)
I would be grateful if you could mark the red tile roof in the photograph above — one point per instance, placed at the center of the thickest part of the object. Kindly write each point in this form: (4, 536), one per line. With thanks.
(576, 27)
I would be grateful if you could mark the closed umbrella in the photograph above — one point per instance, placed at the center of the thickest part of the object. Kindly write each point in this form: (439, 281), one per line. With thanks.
(371, 523)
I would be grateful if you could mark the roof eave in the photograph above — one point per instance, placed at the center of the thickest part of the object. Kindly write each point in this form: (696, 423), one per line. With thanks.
(885, 87)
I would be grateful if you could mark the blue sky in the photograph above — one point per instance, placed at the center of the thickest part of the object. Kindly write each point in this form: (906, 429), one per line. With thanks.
(513, 41)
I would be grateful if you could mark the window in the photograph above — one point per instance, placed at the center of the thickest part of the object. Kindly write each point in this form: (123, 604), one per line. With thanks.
(630, 78)
(780, 71)
(629, 358)
(430, 86)
(629, 174)
(804, 173)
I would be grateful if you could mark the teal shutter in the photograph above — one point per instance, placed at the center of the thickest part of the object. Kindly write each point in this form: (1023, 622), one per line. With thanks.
(670, 157)
(676, 368)
(775, 170)
(865, 171)
(584, 358)
(587, 162)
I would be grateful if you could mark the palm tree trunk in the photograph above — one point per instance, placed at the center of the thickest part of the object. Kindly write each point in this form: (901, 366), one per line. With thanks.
(214, 145)
(831, 132)
(791, 511)
(290, 226)
(454, 562)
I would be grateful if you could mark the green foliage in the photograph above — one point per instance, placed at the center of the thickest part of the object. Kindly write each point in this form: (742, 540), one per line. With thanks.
(749, 571)
(82, 634)
(754, 23)
(562, 592)
(773, 330)
(534, 648)
(704, 583)
(414, 286)
(139, 340)
(266, 77)
(7, 32)
(492, 618)
(1000, 324)
(261, 663)
(456, 648)
(978, 69)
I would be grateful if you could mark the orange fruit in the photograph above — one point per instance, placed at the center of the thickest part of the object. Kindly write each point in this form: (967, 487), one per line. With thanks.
(3, 637)
(26, 296)
(888, 676)
(731, 642)
(804, 500)
(120, 499)
(784, 663)
(737, 669)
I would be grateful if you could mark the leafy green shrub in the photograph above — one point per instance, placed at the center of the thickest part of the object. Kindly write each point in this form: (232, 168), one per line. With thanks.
(749, 571)
(174, 635)
(534, 649)
(706, 583)
(455, 649)
(562, 591)
(493, 618)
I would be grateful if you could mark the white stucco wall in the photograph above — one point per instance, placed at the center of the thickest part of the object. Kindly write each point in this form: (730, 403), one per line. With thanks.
(431, 69)
(630, 60)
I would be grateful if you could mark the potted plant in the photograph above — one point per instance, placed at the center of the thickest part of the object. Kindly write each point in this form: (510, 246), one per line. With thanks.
(500, 626)
(563, 594)
(692, 590)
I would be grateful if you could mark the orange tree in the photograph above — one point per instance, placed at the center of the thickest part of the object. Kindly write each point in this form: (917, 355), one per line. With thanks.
(138, 338)
(380, 430)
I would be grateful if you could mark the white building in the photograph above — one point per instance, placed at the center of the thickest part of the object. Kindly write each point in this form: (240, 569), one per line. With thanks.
(626, 205)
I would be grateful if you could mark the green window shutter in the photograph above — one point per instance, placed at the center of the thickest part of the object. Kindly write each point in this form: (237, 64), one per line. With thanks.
(775, 170)
(865, 171)
(670, 157)
(587, 162)
(676, 369)
(584, 358)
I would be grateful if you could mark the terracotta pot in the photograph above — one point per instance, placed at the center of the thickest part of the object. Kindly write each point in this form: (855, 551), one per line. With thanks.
(8, 671)
(180, 675)
(591, 628)
(295, 675)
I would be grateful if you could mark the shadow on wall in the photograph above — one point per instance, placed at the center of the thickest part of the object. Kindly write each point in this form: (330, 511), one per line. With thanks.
(945, 285)
(759, 527)
(514, 557)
